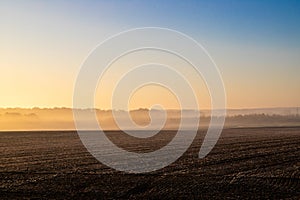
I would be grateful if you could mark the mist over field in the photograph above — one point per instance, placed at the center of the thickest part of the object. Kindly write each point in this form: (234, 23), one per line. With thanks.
(62, 118)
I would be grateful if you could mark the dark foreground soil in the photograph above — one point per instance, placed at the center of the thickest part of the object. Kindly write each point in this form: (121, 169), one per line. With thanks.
(246, 163)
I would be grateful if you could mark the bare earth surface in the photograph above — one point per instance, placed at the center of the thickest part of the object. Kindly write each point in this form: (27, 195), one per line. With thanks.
(246, 163)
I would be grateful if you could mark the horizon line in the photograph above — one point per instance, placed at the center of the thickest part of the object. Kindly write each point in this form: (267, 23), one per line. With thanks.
(170, 109)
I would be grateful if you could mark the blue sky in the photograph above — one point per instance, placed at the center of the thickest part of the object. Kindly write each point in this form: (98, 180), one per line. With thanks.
(256, 45)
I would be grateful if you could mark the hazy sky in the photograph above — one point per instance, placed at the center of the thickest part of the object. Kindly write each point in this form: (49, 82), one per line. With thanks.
(255, 44)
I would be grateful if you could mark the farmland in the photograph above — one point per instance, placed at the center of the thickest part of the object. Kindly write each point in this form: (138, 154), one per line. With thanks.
(246, 163)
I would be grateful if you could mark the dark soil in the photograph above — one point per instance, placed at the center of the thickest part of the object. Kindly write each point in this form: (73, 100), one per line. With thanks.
(246, 163)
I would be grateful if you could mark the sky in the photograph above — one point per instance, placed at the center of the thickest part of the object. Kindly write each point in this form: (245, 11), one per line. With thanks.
(255, 44)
